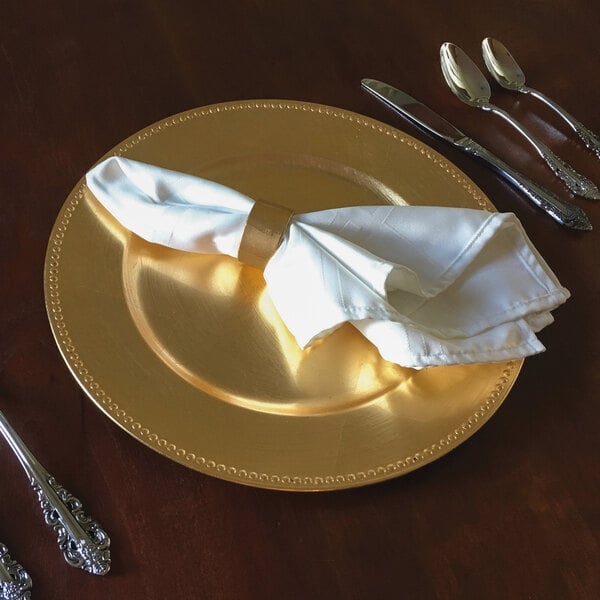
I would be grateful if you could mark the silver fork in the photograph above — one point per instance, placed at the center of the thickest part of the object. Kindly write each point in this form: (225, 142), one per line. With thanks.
(83, 542)
(15, 583)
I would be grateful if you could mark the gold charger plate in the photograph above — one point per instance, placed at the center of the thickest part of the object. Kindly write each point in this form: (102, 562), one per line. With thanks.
(186, 352)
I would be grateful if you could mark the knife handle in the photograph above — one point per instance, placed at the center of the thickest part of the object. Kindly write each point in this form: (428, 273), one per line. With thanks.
(560, 210)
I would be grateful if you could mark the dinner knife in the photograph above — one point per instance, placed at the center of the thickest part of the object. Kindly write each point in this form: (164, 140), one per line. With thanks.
(563, 212)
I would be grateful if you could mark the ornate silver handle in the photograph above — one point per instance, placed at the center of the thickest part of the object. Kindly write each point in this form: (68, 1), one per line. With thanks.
(589, 138)
(15, 583)
(576, 182)
(564, 212)
(83, 543)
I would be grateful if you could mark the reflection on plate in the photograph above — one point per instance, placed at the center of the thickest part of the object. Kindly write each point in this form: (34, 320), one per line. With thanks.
(187, 353)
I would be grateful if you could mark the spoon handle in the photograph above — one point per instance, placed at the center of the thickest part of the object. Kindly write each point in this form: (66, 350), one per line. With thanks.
(83, 543)
(565, 213)
(589, 138)
(577, 183)
(15, 583)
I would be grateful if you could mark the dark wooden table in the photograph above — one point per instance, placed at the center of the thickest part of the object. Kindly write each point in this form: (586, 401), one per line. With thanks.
(511, 513)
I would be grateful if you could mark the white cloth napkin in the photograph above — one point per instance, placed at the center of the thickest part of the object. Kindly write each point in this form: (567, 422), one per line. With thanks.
(427, 285)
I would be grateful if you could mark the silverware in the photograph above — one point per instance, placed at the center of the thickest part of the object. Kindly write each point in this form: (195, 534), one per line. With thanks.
(505, 70)
(565, 213)
(470, 86)
(15, 583)
(83, 543)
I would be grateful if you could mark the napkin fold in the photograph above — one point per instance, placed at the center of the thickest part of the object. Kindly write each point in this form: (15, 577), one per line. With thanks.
(426, 285)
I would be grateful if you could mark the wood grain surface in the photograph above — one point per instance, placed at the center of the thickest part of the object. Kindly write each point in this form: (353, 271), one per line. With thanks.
(511, 513)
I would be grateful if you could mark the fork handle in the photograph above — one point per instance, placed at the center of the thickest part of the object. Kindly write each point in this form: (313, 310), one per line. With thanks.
(83, 542)
(15, 583)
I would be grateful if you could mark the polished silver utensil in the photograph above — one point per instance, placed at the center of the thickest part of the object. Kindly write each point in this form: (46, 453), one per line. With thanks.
(83, 543)
(506, 71)
(565, 213)
(15, 583)
(470, 86)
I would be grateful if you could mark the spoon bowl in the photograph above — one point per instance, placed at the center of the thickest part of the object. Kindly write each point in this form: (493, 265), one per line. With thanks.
(501, 65)
(463, 76)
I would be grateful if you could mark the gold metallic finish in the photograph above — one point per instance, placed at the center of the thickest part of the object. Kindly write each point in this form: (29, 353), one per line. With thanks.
(263, 233)
(187, 353)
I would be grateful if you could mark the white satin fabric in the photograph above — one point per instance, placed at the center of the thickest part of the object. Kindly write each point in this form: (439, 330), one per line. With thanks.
(426, 285)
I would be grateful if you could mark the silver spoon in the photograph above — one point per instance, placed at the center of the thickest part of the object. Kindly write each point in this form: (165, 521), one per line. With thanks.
(505, 70)
(470, 86)
(15, 583)
(83, 543)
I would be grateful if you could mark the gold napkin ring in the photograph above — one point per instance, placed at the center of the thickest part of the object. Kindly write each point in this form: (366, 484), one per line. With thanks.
(263, 233)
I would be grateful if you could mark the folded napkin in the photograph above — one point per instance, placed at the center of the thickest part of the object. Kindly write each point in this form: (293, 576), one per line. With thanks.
(426, 285)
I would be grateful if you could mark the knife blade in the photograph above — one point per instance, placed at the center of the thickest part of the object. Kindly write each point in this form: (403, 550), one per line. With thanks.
(563, 212)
